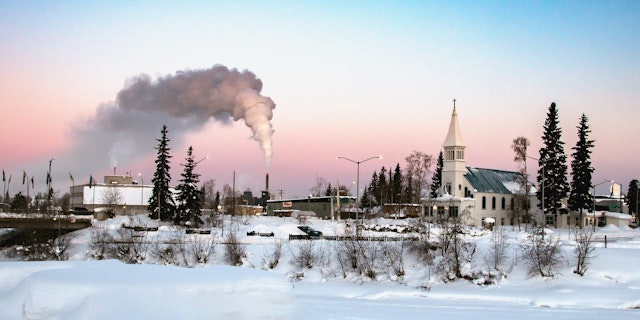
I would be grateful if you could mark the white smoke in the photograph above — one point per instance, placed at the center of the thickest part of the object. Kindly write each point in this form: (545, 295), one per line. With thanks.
(184, 102)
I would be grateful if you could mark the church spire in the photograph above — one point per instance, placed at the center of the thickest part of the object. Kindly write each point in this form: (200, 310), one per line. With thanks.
(454, 136)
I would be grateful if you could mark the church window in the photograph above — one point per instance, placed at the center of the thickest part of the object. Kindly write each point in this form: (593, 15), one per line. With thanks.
(493, 203)
(504, 203)
(484, 202)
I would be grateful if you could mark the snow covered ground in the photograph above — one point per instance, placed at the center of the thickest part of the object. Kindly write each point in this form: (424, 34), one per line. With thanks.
(82, 288)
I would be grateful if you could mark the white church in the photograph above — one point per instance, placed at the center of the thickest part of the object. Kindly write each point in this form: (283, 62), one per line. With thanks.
(479, 196)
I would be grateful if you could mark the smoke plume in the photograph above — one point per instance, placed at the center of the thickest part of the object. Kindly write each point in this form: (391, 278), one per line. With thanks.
(184, 102)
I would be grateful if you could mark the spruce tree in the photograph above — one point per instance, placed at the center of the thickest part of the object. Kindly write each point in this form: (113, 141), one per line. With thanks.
(436, 180)
(552, 165)
(161, 204)
(580, 197)
(189, 195)
(397, 185)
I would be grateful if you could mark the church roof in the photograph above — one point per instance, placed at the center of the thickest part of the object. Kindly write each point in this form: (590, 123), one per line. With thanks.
(493, 181)
(454, 136)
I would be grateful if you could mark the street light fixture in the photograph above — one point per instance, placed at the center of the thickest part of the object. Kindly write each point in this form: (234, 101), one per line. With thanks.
(358, 181)
(141, 191)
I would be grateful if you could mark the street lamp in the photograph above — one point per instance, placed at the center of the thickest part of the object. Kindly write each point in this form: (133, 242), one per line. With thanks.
(358, 181)
(141, 191)
(205, 158)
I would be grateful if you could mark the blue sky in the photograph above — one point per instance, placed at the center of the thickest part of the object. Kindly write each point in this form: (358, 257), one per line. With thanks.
(350, 79)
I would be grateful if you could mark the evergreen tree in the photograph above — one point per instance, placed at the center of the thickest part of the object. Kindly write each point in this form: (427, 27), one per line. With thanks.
(374, 186)
(216, 201)
(397, 185)
(632, 197)
(189, 196)
(330, 191)
(161, 203)
(580, 197)
(436, 180)
(19, 202)
(552, 165)
(383, 187)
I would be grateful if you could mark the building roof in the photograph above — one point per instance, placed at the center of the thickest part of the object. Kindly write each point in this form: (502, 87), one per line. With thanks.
(454, 136)
(493, 181)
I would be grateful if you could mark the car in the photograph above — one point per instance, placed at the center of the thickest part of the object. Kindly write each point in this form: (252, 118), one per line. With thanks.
(310, 231)
(80, 211)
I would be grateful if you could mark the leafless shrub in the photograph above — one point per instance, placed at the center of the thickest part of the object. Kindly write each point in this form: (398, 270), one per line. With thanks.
(199, 250)
(171, 252)
(423, 249)
(234, 250)
(346, 252)
(393, 253)
(369, 256)
(307, 255)
(102, 246)
(497, 255)
(584, 249)
(542, 255)
(131, 246)
(272, 257)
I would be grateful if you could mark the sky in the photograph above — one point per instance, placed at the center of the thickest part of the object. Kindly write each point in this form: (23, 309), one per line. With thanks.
(214, 290)
(351, 79)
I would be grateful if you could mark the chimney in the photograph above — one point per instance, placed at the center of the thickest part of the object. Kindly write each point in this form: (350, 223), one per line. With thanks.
(267, 183)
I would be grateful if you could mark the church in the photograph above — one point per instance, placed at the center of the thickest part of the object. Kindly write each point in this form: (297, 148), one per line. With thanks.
(478, 196)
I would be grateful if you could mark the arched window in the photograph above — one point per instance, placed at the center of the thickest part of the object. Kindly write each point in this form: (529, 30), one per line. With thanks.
(484, 202)
(513, 203)
(493, 203)
(504, 203)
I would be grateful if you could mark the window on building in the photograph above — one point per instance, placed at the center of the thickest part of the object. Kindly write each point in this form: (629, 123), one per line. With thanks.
(440, 210)
(504, 203)
(453, 212)
(493, 203)
(484, 203)
(513, 203)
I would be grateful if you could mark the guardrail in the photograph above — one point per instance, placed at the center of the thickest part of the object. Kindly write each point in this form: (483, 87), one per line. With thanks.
(350, 238)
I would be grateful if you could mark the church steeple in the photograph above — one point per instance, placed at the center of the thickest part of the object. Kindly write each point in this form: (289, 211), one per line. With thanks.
(454, 137)
(454, 166)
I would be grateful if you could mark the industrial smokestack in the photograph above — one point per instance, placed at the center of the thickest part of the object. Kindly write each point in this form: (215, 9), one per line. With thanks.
(267, 183)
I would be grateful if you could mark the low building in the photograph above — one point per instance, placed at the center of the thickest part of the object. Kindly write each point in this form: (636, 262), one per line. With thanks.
(325, 207)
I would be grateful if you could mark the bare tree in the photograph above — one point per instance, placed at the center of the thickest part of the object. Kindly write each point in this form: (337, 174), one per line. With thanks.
(320, 186)
(209, 194)
(584, 249)
(418, 169)
(521, 203)
(112, 198)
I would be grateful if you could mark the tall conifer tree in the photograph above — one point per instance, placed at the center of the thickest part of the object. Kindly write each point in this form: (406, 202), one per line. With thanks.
(161, 203)
(580, 197)
(553, 162)
(189, 195)
(436, 180)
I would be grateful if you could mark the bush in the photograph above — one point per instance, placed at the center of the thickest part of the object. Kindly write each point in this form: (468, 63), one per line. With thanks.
(542, 256)
(234, 250)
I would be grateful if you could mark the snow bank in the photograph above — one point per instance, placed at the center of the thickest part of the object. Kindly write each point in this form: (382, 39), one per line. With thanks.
(112, 290)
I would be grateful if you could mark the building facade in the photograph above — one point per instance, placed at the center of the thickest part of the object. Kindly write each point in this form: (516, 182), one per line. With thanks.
(476, 195)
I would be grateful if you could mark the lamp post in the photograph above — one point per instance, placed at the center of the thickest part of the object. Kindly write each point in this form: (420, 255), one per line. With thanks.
(358, 181)
(141, 191)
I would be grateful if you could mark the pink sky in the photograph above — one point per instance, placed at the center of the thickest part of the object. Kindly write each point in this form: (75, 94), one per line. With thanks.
(344, 83)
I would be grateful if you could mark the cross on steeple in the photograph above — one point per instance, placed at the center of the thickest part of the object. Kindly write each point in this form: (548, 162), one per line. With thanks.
(454, 103)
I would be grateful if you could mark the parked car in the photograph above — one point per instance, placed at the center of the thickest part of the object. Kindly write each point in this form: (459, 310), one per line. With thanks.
(80, 211)
(310, 231)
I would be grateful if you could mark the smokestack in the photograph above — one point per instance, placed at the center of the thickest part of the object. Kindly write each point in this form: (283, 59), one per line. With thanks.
(114, 171)
(267, 183)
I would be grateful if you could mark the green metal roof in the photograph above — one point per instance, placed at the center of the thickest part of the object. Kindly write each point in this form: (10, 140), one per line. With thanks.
(493, 181)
